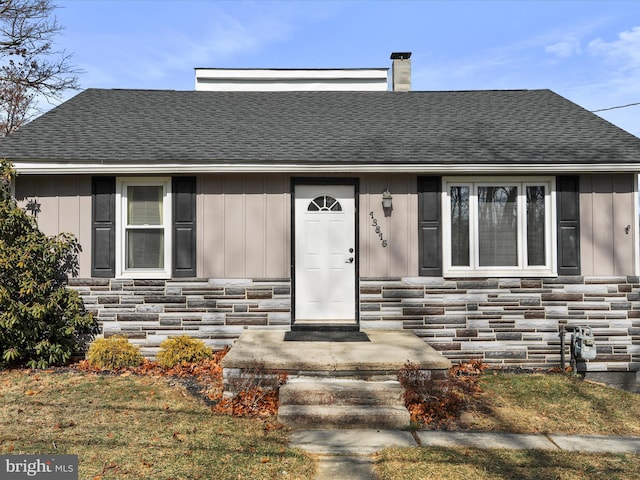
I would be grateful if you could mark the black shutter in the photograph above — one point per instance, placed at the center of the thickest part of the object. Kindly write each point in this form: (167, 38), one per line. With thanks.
(429, 226)
(184, 226)
(568, 205)
(103, 227)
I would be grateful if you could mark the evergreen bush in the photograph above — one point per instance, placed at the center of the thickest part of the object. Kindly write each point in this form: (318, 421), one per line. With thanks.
(42, 323)
(174, 351)
(113, 353)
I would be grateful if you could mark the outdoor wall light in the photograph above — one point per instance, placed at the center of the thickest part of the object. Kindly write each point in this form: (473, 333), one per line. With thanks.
(387, 201)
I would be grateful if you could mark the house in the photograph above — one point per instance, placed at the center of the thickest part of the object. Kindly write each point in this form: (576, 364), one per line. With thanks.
(484, 221)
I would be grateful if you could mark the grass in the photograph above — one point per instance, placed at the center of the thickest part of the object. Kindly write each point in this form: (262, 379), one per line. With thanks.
(474, 464)
(554, 403)
(537, 403)
(141, 427)
(138, 427)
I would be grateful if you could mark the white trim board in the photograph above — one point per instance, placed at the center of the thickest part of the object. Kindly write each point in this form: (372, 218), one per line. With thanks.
(159, 168)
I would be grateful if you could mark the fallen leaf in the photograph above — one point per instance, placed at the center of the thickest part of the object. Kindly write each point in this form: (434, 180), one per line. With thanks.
(264, 460)
(30, 392)
(68, 424)
(178, 436)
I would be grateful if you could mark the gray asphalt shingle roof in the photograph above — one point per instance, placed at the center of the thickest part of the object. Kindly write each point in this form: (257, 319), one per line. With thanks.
(476, 127)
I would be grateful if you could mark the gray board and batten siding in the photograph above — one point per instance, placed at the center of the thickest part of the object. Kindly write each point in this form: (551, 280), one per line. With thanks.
(245, 223)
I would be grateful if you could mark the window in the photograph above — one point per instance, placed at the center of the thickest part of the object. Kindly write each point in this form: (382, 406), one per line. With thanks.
(499, 227)
(143, 228)
(324, 203)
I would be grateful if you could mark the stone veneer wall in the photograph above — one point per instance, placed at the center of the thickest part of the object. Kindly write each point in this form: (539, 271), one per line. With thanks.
(216, 311)
(511, 322)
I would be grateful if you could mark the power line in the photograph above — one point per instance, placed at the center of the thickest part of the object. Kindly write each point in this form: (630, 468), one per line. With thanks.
(613, 108)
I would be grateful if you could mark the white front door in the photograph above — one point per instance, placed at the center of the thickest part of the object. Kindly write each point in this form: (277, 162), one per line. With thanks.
(325, 252)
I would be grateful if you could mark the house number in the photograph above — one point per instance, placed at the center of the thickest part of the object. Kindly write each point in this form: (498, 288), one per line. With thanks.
(378, 230)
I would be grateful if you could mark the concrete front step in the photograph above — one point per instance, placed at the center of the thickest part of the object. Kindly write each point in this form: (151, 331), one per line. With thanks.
(343, 417)
(322, 362)
(341, 403)
(342, 392)
(387, 352)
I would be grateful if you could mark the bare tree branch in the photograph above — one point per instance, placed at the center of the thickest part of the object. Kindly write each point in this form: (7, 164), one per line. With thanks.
(29, 66)
(15, 104)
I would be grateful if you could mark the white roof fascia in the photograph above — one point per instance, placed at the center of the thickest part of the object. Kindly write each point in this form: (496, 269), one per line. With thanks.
(48, 168)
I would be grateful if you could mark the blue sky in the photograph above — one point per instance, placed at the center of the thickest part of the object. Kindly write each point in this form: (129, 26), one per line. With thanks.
(587, 51)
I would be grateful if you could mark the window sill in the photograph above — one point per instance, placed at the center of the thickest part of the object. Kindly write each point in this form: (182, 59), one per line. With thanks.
(499, 273)
(144, 275)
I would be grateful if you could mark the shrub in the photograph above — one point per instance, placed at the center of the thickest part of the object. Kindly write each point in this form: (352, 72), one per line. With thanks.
(174, 351)
(113, 353)
(254, 392)
(439, 403)
(42, 323)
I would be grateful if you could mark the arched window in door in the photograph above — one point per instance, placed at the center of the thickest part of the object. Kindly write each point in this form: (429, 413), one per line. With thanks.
(324, 203)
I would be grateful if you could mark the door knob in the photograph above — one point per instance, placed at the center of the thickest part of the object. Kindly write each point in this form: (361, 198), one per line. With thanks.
(349, 261)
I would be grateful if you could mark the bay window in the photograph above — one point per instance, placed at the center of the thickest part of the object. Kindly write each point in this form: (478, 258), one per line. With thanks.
(501, 227)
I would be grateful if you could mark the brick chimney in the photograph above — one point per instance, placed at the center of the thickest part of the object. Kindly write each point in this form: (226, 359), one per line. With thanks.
(401, 71)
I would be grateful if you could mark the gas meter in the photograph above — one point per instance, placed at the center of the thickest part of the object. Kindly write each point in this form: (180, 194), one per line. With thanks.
(584, 344)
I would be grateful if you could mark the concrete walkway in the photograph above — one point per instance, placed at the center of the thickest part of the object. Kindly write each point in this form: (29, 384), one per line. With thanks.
(347, 454)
